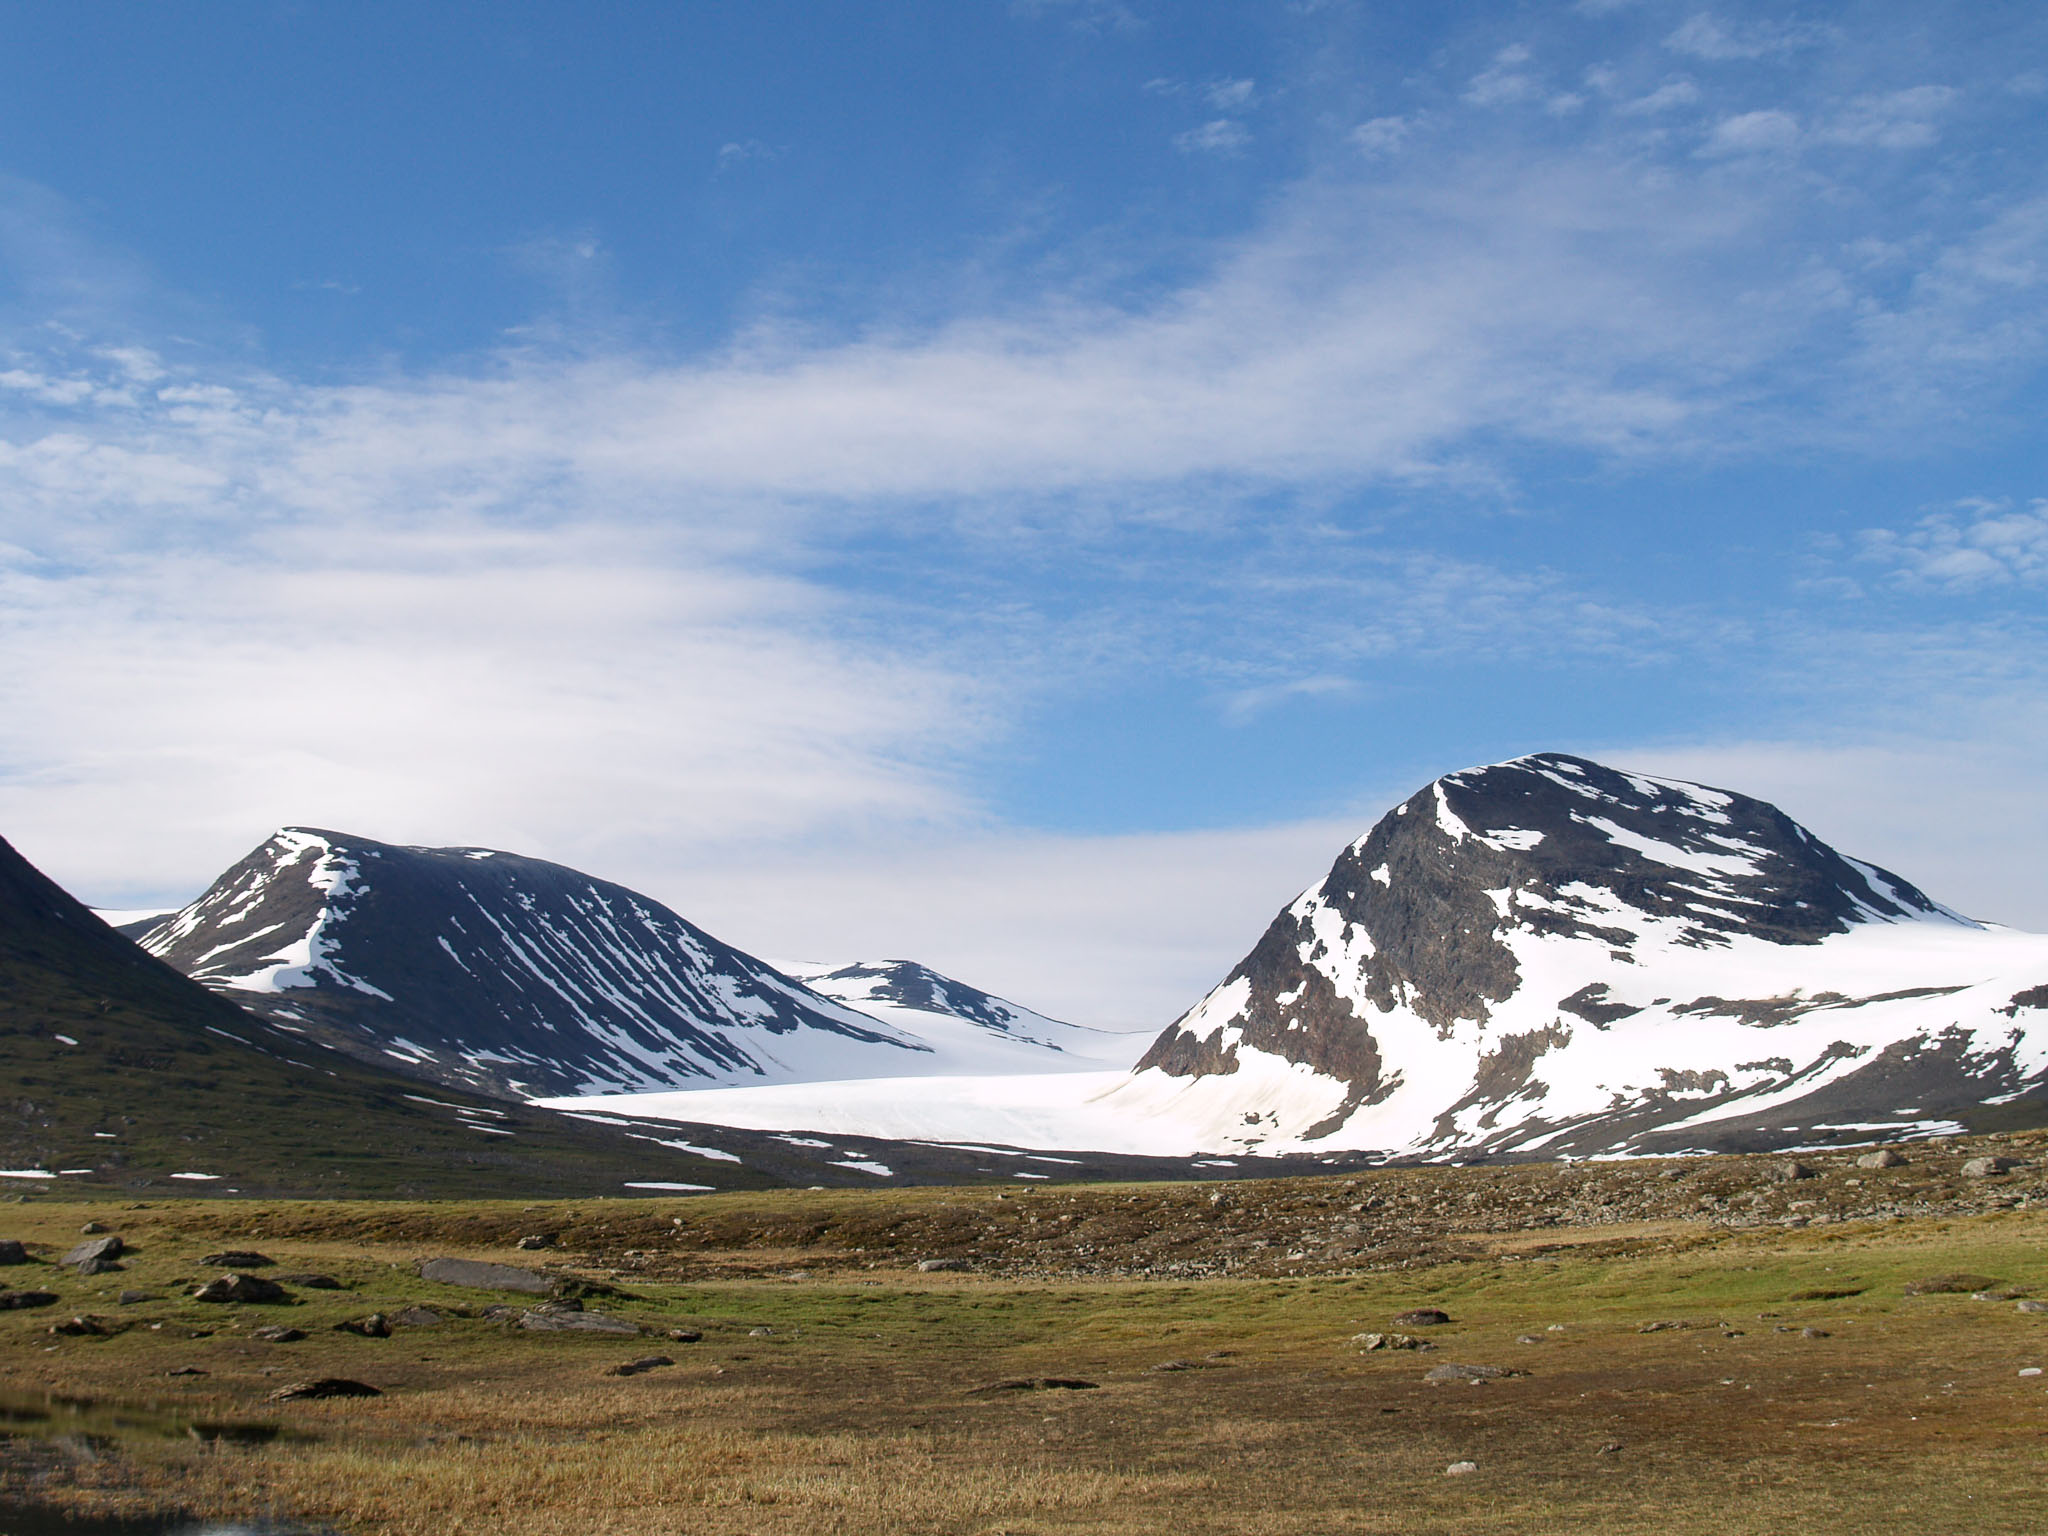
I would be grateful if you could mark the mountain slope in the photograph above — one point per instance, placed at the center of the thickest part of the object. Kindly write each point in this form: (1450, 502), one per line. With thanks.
(120, 1072)
(1550, 955)
(509, 975)
(969, 1031)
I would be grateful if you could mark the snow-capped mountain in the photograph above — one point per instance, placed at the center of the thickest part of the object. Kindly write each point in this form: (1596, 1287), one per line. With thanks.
(1549, 955)
(508, 974)
(975, 1031)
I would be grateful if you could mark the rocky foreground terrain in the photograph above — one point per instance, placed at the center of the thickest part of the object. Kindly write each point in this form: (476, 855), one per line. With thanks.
(1382, 1219)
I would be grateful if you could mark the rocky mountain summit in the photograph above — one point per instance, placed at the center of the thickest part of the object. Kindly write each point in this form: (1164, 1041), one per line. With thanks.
(505, 974)
(1548, 955)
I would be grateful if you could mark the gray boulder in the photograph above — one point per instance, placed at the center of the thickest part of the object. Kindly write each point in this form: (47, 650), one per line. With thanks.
(479, 1276)
(248, 1288)
(1988, 1167)
(539, 1320)
(1883, 1158)
(1449, 1372)
(98, 1250)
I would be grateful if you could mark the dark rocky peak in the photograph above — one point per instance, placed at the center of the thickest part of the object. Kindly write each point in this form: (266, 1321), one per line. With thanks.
(1418, 912)
(910, 985)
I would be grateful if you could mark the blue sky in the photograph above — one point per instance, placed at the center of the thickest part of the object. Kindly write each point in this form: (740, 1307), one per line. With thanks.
(1015, 484)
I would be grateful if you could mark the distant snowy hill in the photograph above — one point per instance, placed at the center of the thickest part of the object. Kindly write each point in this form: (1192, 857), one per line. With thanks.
(1547, 955)
(972, 1030)
(503, 973)
(1543, 957)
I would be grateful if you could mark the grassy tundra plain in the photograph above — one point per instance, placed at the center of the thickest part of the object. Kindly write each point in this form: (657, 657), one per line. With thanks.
(1698, 1346)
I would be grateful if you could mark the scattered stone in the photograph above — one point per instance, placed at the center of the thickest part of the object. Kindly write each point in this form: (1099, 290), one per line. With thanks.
(249, 1288)
(2000, 1293)
(311, 1282)
(92, 1229)
(12, 1252)
(96, 1266)
(539, 1320)
(1461, 1469)
(1185, 1365)
(1950, 1285)
(533, 1242)
(104, 1249)
(636, 1367)
(326, 1386)
(1529, 1338)
(938, 1266)
(1883, 1158)
(87, 1327)
(1036, 1384)
(1371, 1341)
(2031, 1370)
(760, 1333)
(1666, 1325)
(1790, 1173)
(187, 1370)
(1611, 1448)
(479, 1276)
(278, 1333)
(239, 1258)
(1813, 1333)
(135, 1298)
(2030, 1306)
(686, 1335)
(1450, 1372)
(375, 1326)
(1422, 1317)
(1988, 1167)
(416, 1317)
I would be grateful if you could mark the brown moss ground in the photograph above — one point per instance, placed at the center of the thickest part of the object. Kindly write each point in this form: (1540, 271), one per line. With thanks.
(855, 1413)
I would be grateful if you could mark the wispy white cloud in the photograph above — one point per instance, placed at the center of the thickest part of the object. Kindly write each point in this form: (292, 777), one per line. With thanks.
(737, 152)
(1978, 544)
(1219, 136)
(1505, 81)
(1229, 95)
(1671, 94)
(1382, 135)
(1905, 119)
(1704, 35)
(1767, 132)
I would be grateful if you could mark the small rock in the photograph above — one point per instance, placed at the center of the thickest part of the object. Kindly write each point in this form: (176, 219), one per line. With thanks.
(2000, 1293)
(635, 1367)
(1883, 1158)
(937, 1266)
(686, 1335)
(479, 1276)
(326, 1386)
(1422, 1317)
(416, 1317)
(12, 1252)
(92, 1229)
(187, 1370)
(1789, 1173)
(1950, 1285)
(311, 1282)
(1036, 1384)
(539, 1321)
(87, 1327)
(1461, 1469)
(1813, 1333)
(1370, 1341)
(533, 1242)
(135, 1298)
(239, 1258)
(1449, 1372)
(2031, 1370)
(1528, 1338)
(105, 1249)
(249, 1288)
(278, 1333)
(2030, 1306)
(1988, 1167)
(96, 1266)
(1611, 1448)
(375, 1326)
(1183, 1365)
(760, 1333)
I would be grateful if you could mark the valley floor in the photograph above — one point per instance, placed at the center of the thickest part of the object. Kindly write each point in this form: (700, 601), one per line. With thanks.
(1695, 1346)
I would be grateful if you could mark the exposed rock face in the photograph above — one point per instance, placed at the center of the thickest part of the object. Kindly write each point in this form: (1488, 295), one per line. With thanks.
(494, 972)
(1552, 953)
